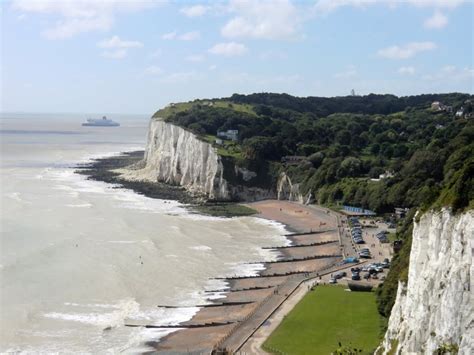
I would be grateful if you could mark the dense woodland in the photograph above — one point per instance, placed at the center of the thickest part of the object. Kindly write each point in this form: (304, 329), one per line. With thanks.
(343, 143)
(347, 141)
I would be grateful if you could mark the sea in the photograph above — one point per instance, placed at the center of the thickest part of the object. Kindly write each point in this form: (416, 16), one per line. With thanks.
(79, 259)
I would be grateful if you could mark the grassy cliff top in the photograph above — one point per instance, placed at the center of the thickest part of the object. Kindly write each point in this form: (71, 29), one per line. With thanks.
(175, 108)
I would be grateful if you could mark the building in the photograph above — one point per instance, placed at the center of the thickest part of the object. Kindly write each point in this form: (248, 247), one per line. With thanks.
(386, 175)
(437, 106)
(219, 141)
(231, 134)
(401, 212)
(357, 211)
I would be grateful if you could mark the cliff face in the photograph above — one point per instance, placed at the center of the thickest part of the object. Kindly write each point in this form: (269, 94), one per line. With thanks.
(175, 156)
(434, 310)
(286, 190)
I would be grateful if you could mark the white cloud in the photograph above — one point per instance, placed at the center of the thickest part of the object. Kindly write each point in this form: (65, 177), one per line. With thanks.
(115, 54)
(450, 4)
(80, 16)
(169, 35)
(450, 73)
(70, 27)
(406, 70)
(407, 50)
(325, 7)
(349, 73)
(195, 58)
(188, 36)
(263, 19)
(116, 42)
(229, 49)
(117, 48)
(438, 20)
(194, 11)
(153, 70)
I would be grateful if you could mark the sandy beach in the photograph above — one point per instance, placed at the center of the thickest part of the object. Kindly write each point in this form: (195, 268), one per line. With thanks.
(313, 248)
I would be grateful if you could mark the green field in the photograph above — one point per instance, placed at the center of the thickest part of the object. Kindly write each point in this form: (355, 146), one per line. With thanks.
(325, 317)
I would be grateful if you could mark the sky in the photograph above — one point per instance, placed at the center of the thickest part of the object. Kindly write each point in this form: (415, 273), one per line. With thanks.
(137, 56)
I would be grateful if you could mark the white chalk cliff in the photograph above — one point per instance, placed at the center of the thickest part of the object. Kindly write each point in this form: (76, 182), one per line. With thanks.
(286, 190)
(176, 156)
(434, 309)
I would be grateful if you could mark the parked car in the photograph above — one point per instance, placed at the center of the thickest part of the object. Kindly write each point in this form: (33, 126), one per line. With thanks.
(366, 276)
(355, 277)
(332, 281)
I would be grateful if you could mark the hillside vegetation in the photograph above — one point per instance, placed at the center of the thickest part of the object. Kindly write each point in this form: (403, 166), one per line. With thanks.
(342, 145)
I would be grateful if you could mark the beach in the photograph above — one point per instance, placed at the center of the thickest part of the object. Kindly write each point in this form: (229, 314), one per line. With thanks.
(312, 247)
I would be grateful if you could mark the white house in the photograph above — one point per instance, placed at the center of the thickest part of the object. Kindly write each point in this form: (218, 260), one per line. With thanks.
(231, 134)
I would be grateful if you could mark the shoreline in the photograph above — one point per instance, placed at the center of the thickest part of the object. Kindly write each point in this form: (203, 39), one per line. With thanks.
(105, 169)
(266, 292)
(311, 245)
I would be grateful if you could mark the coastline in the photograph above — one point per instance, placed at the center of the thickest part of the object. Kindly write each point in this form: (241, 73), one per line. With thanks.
(263, 293)
(311, 245)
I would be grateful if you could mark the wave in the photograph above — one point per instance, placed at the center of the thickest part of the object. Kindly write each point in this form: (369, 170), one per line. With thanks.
(201, 248)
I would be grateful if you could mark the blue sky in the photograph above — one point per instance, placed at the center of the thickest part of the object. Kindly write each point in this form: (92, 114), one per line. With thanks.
(137, 56)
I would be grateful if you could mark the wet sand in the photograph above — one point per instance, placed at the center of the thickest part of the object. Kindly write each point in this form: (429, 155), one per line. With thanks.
(310, 226)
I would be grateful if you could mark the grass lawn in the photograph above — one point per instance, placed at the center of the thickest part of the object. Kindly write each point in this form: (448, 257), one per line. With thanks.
(325, 317)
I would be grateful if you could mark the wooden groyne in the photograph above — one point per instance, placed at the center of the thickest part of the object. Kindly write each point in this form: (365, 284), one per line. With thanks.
(260, 276)
(303, 245)
(310, 232)
(292, 260)
(244, 289)
(179, 326)
(210, 305)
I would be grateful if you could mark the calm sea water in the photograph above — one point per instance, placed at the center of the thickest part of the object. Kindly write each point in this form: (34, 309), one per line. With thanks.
(78, 258)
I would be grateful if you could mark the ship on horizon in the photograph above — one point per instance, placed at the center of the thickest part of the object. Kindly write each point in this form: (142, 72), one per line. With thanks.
(97, 122)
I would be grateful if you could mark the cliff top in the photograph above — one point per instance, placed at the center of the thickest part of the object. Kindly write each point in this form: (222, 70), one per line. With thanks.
(176, 108)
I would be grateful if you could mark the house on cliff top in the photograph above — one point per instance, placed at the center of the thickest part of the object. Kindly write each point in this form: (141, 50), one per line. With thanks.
(232, 134)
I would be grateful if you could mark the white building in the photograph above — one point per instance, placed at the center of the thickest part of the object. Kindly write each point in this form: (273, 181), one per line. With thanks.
(232, 134)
